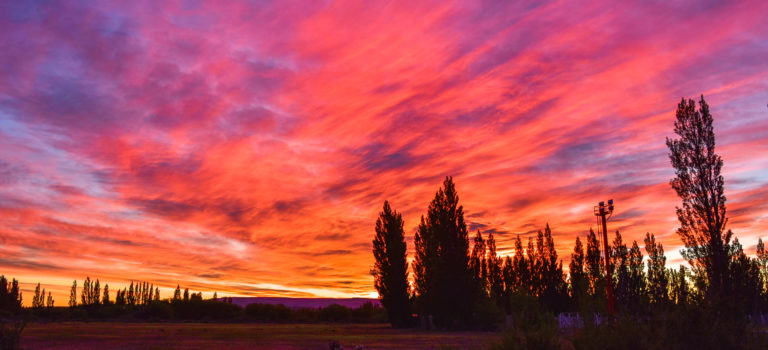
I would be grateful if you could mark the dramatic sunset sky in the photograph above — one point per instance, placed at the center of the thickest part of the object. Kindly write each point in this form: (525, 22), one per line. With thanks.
(247, 148)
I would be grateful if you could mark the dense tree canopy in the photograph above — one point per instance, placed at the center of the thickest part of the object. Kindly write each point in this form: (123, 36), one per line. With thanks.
(441, 266)
(390, 270)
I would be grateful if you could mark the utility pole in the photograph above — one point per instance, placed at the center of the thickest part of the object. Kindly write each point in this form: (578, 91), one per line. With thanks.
(604, 211)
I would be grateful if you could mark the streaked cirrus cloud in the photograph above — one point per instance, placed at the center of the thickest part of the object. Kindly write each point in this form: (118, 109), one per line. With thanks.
(247, 147)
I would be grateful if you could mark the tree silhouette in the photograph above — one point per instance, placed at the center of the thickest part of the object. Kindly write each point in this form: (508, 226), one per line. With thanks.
(49, 302)
(595, 270)
(96, 293)
(73, 294)
(4, 302)
(746, 284)
(494, 266)
(637, 283)
(553, 287)
(534, 269)
(10, 296)
(37, 299)
(620, 263)
(105, 297)
(186, 294)
(390, 270)
(477, 265)
(699, 184)
(657, 277)
(177, 293)
(441, 269)
(15, 297)
(120, 297)
(762, 262)
(522, 280)
(509, 276)
(130, 299)
(85, 297)
(678, 290)
(578, 277)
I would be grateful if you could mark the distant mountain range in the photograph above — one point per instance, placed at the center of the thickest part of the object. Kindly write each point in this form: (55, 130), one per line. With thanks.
(296, 303)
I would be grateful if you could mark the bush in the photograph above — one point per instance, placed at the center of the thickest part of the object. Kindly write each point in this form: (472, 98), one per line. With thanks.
(486, 314)
(10, 335)
(676, 329)
(532, 326)
(369, 313)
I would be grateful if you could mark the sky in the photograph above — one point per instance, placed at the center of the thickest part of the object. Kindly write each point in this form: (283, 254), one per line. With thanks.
(248, 147)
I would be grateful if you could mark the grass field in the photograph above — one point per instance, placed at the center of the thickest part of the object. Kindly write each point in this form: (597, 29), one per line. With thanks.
(116, 335)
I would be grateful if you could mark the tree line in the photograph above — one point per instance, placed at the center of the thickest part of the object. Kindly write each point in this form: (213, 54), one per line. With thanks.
(141, 301)
(457, 284)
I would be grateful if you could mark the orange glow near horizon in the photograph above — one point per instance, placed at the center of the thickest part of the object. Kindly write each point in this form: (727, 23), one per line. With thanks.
(247, 149)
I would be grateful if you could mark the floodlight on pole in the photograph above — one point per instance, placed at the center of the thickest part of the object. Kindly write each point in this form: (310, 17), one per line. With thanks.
(604, 212)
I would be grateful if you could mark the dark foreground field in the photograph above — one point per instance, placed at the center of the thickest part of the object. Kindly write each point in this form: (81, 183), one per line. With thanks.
(114, 335)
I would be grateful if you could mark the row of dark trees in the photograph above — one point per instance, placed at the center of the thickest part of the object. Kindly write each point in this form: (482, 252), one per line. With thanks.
(454, 285)
(141, 301)
(39, 300)
(138, 293)
(91, 295)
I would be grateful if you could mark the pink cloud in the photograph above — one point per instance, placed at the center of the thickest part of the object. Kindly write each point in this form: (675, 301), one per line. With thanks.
(248, 148)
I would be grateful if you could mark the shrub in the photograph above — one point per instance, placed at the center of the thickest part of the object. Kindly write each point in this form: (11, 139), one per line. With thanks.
(486, 314)
(676, 329)
(369, 313)
(10, 334)
(532, 326)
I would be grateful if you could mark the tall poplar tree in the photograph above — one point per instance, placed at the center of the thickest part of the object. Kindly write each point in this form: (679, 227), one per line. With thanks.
(578, 277)
(73, 294)
(37, 299)
(441, 265)
(390, 270)
(510, 277)
(522, 279)
(494, 266)
(595, 270)
(700, 185)
(638, 294)
(96, 293)
(477, 264)
(620, 263)
(105, 298)
(553, 287)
